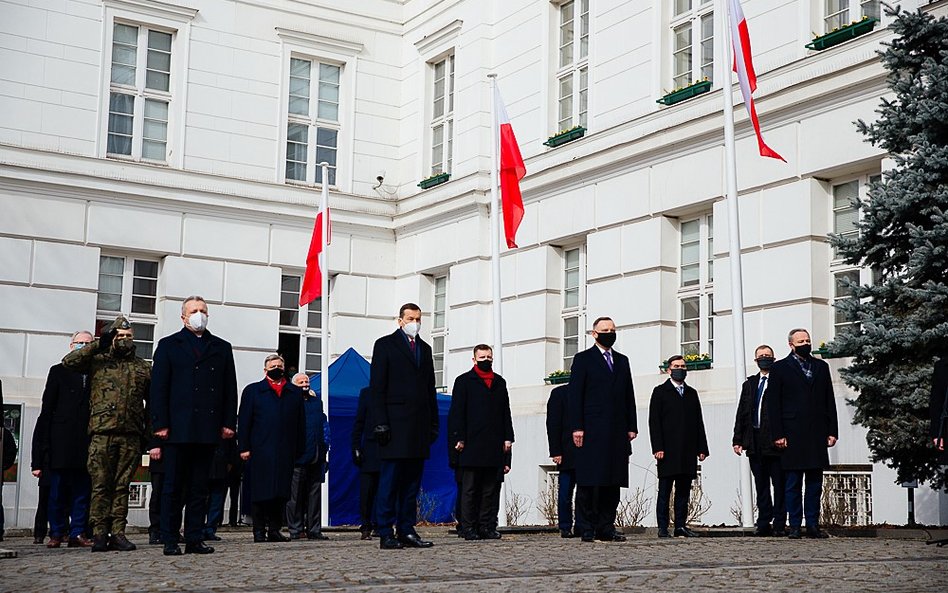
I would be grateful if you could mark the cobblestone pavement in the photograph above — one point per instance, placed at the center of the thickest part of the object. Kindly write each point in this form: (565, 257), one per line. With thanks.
(516, 563)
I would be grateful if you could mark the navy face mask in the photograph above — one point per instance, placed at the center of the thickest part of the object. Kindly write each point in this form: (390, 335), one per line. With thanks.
(679, 374)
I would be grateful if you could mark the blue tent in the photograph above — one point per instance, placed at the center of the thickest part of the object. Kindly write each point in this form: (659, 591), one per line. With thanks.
(348, 374)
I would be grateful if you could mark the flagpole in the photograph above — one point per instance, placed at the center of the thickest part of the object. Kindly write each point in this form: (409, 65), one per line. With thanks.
(495, 229)
(734, 244)
(324, 319)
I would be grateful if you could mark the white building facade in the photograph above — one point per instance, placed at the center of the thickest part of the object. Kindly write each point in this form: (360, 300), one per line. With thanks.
(154, 150)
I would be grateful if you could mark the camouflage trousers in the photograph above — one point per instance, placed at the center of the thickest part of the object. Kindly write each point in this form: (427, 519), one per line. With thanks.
(112, 460)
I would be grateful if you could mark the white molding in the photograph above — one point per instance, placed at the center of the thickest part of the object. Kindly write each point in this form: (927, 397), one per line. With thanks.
(154, 8)
(434, 43)
(320, 43)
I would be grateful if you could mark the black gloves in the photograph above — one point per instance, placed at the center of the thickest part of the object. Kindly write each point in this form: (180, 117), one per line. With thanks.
(357, 457)
(383, 434)
(105, 340)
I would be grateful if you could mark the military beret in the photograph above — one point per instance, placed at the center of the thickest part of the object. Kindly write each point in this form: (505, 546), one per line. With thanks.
(120, 323)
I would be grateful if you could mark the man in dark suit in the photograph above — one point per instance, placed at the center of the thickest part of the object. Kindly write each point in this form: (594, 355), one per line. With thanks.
(603, 421)
(563, 453)
(803, 424)
(752, 436)
(365, 455)
(61, 449)
(481, 430)
(304, 508)
(938, 405)
(405, 406)
(679, 442)
(193, 407)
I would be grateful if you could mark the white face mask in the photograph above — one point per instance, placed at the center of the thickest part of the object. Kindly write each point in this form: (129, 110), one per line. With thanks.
(197, 321)
(411, 328)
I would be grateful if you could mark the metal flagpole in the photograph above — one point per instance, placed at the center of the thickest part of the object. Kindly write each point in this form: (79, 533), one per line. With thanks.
(324, 320)
(734, 240)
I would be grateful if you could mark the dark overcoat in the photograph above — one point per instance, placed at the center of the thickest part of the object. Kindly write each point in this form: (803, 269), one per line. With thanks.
(61, 435)
(558, 432)
(939, 413)
(803, 411)
(363, 439)
(602, 405)
(194, 395)
(480, 417)
(272, 428)
(403, 395)
(754, 443)
(676, 426)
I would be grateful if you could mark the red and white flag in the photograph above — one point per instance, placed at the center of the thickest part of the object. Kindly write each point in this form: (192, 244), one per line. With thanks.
(512, 171)
(744, 66)
(312, 287)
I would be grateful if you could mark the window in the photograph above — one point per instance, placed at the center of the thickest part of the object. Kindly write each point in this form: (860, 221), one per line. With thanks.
(573, 267)
(846, 198)
(129, 286)
(312, 129)
(845, 212)
(442, 116)
(300, 334)
(572, 74)
(139, 93)
(696, 272)
(439, 328)
(692, 26)
(839, 13)
(847, 495)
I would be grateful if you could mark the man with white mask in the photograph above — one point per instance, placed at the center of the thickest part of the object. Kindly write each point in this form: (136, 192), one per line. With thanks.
(193, 406)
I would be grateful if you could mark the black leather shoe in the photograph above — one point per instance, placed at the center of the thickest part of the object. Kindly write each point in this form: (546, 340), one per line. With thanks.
(763, 532)
(154, 539)
(470, 535)
(794, 533)
(816, 533)
(566, 534)
(367, 534)
(684, 532)
(276, 536)
(197, 548)
(412, 540)
(171, 550)
(491, 534)
(779, 532)
(615, 536)
(390, 543)
(38, 541)
(663, 533)
(212, 537)
(316, 535)
(100, 543)
(120, 542)
(588, 536)
(259, 537)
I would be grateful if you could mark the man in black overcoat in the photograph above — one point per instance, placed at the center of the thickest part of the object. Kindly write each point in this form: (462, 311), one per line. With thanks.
(803, 424)
(365, 455)
(939, 408)
(603, 421)
(679, 442)
(193, 406)
(752, 436)
(563, 453)
(481, 430)
(405, 407)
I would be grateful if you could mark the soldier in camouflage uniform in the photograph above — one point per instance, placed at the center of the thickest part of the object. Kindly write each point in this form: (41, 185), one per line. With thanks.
(119, 385)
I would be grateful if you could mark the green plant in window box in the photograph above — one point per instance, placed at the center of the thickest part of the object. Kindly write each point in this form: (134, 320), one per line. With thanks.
(557, 378)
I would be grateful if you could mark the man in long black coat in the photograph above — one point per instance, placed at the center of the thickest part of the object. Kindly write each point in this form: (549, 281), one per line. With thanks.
(752, 436)
(679, 442)
(563, 453)
(603, 421)
(270, 436)
(939, 408)
(803, 424)
(365, 455)
(405, 406)
(481, 430)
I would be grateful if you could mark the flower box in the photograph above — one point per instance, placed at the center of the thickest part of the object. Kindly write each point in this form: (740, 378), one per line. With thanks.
(565, 136)
(556, 379)
(691, 365)
(434, 180)
(854, 29)
(692, 90)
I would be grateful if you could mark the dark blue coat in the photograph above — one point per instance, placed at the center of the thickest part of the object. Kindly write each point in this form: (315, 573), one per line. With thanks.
(61, 435)
(363, 439)
(754, 441)
(676, 426)
(272, 428)
(193, 395)
(480, 418)
(403, 396)
(316, 441)
(602, 405)
(802, 411)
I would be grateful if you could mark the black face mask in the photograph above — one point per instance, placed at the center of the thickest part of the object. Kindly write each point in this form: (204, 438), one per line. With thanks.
(606, 339)
(484, 365)
(275, 374)
(679, 374)
(803, 350)
(765, 362)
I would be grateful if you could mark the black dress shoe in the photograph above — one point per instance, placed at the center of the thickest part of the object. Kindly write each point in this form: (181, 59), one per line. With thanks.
(763, 532)
(276, 536)
(566, 534)
(588, 536)
(389, 542)
(663, 533)
(100, 543)
(171, 550)
(779, 532)
(816, 533)
(367, 534)
(259, 537)
(212, 538)
(197, 548)
(154, 539)
(316, 535)
(684, 532)
(412, 540)
(615, 536)
(489, 534)
(794, 533)
(39, 540)
(470, 535)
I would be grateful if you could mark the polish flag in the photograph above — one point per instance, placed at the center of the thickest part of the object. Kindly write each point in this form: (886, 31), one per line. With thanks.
(746, 76)
(512, 171)
(312, 287)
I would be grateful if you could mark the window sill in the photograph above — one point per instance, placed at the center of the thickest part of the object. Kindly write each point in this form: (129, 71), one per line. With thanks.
(565, 136)
(692, 365)
(557, 380)
(842, 34)
(692, 90)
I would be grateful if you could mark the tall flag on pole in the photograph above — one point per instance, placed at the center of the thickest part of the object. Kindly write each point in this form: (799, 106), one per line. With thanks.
(512, 171)
(312, 287)
(744, 66)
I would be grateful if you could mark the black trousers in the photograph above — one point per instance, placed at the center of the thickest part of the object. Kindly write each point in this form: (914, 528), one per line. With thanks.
(368, 488)
(682, 486)
(480, 498)
(187, 467)
(596, 510)
(304, 509)
(233, 490)
(268, 515)
(41, 520)
(771, 511)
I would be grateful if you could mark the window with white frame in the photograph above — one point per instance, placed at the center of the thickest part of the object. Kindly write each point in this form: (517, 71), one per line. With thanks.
(572, 73)
(139, 93)
(442, 115)
(846, 197)
(300, 331)
(839, 13)
(847, 495)
(129, 286)
(692, 34)
(695, 295)
(573, 301)
(439, 328)
(313, 123)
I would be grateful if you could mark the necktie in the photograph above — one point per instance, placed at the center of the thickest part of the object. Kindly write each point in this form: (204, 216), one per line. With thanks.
(760, 394)
(608, 355)
(411, 345)
(681, 390)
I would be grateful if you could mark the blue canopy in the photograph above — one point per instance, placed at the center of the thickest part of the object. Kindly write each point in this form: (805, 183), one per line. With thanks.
(348, 375)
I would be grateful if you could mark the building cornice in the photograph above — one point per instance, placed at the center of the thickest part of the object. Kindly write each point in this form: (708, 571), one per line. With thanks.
(320, 43)
(434, 42)
(175, 12)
